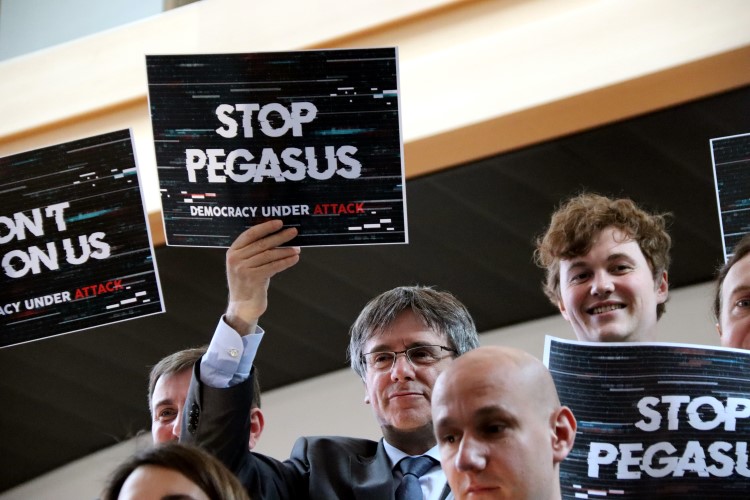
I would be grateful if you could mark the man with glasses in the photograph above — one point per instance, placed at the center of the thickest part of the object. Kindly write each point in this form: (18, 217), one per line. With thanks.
(401, 341)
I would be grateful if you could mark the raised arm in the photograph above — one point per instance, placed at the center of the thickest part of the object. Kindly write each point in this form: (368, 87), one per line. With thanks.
(252, 260)
(217, 409)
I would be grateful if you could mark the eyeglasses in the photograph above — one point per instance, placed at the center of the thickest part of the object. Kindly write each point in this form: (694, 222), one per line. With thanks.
(423, 355)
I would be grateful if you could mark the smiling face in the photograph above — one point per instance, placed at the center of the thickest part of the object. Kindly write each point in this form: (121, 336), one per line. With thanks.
(500, 428)
(734, 322)
(167, 403)
(609, 294)
(400, 397)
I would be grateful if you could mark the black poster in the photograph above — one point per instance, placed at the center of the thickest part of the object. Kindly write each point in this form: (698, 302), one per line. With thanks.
(654, 420)
(310, 137)
(731, 159)
(74, 242)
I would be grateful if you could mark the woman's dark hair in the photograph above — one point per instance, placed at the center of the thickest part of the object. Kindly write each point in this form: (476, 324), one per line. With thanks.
(198, 466)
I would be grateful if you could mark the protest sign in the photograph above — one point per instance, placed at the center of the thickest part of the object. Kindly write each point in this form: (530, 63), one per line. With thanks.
(655, 420)
(310, 137)
(731, 161)
(74, 243)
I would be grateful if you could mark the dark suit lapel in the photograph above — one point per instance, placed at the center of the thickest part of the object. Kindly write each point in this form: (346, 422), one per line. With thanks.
(371, 475)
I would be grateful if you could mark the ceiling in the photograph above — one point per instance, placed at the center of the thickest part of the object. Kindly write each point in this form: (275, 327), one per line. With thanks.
(471, 232)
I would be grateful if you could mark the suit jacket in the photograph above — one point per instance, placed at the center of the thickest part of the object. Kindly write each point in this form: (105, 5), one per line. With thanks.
(322, 467)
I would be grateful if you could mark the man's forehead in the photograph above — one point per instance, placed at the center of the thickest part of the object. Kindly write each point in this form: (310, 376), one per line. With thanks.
(612, 256)
(480, 398)
(621, 246)
(476, 408)
(739, 271)
(737, 279)
(738, 289)
(168, 397)
(386, 339)
(168, 381)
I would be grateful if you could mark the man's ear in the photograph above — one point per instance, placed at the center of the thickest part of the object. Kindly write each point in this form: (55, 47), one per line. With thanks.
(257, 422)
(718, 329)
(662, 288)
(563, 433)
(367, 393)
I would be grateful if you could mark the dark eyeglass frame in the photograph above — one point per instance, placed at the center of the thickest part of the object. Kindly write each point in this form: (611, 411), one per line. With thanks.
(406, 352)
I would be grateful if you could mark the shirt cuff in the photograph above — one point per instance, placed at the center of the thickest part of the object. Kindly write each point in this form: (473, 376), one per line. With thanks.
(229, 357)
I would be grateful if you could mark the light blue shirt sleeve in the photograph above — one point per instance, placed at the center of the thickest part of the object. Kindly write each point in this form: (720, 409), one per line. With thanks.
(229, 357)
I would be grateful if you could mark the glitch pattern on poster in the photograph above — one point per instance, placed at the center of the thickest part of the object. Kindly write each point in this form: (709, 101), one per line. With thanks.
(309, 137)
(74, 243)
(655, 420)
(731, 160)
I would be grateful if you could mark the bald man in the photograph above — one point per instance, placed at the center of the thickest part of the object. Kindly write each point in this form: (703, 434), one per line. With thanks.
(500, 427)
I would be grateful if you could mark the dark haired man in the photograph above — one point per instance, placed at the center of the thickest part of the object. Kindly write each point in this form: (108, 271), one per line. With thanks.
(168, 385)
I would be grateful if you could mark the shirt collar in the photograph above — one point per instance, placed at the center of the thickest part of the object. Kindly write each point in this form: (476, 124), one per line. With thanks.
(396, 455)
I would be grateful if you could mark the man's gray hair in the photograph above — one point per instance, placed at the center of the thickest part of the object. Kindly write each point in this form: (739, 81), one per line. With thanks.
(440, 311)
